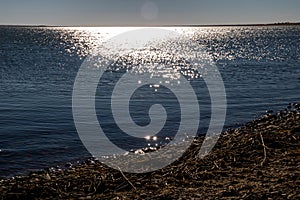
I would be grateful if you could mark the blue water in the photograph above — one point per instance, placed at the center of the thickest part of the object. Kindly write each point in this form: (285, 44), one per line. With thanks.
(260, 67)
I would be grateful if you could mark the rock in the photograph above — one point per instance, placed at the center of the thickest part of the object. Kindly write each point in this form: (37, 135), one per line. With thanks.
(297, 106)
(47, 176)
(68, 165)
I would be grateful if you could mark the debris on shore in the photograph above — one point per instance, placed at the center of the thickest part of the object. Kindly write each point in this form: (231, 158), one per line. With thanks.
(259, 160)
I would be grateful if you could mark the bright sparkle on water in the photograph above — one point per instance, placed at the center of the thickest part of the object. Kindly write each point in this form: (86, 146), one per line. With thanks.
(260, 67)
(160, 57)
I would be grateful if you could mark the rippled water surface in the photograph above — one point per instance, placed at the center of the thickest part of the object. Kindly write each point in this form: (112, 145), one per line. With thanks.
(260, 67)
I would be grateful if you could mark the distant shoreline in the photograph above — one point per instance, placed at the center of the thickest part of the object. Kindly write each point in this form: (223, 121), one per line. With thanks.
(174, 25)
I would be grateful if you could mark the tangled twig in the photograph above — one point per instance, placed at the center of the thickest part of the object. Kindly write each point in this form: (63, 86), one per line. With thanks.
(127, 179)
(265, 149)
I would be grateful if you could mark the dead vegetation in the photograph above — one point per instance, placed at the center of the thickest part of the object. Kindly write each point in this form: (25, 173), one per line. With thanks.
(260, 160)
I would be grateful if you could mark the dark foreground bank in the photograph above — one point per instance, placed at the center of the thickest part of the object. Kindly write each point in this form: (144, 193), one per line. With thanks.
(259, 160)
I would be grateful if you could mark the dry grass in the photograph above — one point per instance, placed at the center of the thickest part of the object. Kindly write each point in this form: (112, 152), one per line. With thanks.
(260, 160)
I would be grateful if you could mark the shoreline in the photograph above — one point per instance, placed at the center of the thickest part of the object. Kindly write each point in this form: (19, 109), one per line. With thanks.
(260, 159)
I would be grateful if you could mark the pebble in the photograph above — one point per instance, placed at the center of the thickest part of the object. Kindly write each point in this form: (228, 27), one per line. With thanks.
(68, 165)
(47, 177)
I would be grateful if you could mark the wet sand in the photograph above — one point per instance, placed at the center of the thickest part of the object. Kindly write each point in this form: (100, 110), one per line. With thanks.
(259, 160)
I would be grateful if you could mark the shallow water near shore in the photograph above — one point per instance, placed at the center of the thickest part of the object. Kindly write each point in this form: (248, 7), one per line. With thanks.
(260, 67)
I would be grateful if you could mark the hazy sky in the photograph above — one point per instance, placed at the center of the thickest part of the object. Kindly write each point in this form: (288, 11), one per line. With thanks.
(146, 12)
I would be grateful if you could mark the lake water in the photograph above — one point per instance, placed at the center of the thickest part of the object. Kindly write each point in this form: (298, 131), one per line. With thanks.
(260, 67)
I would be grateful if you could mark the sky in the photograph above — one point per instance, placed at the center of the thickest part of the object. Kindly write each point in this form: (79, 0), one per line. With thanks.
(147, 12)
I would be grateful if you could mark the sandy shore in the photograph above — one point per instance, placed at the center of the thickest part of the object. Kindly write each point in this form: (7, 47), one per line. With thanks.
(259, 160)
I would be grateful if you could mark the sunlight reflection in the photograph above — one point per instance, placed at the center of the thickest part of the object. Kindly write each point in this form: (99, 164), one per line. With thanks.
(160, 55)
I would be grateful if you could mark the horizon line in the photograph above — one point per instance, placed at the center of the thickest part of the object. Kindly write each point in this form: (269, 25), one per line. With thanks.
(158, 25)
